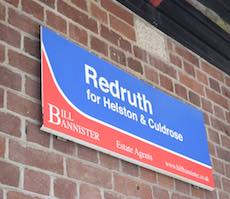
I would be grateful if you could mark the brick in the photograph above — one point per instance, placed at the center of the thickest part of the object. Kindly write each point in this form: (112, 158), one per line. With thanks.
(65, 189)
(135, 65)
(151, 74)
(214, 85)
(117, 56)
(32, 47)
(32, 88)
(197, 192)
(109, 162)
(182, 187)
(10, 36)
(194, 98)
(148, 175)
(214, 136)
(206, 119)
(217, 98)
(202, 77)
(35, 135)
(80, 4)
(211, 148)
(211, 194)
(37, 182)
(13, 2)
(88, 154)
(181, 91)
(18, 195)
(129, 168)
(2, 53)
(87, 191)
(111, 195)
(217, 180)
(50, 3)
(227, 81)
(227, 115)
(99, 45)
(64, 146)
(10, 124)
(77, 16)
(33, 8)
(125, 45)
(122, 28)
(166, 83)
(165, 181)
(2, 12)
(2, 147)
(118, 11)
(9, 174)
(226, 184)
(1, 97)
(178, 196)
(23, 23)
(98, 13)
(140, 53)
(220, 126)
(227, 170)
(225, 141)
(223, 195)
(36, 158)
(223, 154)
(206, 105)
(211, 70)
(163, 67)
(225, 91)
(109, 35)
(24, 63)
(23, 106)
(218, 166)
(10, 79)
(78, 34)
(219, 112)
(88, 173)
(189, 68)
(131, 187)
(176, 60)
(183, 52)
(192, 84)
(160, 193)
(56, 22)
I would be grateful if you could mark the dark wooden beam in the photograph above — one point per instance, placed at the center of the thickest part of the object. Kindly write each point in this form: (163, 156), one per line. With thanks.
(221, 7)
(185, 24)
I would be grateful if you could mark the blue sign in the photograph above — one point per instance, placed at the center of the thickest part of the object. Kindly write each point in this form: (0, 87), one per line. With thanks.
(102, 93)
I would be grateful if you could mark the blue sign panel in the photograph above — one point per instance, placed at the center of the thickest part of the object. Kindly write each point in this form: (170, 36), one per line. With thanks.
(120, 102)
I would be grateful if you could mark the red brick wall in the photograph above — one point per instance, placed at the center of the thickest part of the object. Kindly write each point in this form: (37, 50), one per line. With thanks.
(34, 164)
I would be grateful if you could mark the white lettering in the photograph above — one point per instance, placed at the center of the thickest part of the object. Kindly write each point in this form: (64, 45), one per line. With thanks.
(164, 130)
(54, 114)
(103, 84)
(92, 75)
(137, 100)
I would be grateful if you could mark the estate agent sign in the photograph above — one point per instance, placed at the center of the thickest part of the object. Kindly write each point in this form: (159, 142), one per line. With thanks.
(89, 101)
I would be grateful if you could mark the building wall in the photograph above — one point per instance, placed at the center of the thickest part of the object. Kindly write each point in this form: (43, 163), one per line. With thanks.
(34, 164)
